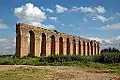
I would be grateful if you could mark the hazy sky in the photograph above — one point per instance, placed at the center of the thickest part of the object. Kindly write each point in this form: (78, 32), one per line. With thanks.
(93, 19)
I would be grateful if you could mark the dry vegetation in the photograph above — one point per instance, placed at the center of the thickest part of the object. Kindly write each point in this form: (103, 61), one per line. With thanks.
(24, 72)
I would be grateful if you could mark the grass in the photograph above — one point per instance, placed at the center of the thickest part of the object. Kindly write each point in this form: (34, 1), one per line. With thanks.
(24, 74)
(75, 61)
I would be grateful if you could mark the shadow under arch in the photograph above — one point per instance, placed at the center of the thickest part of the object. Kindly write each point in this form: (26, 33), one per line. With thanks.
(32, 43)
(68, 46)
(74, 47)
(91, 44)
(60, 46)
(43, 45)
(88, 49)
(79, 47)
(52, 45)
(84, 48)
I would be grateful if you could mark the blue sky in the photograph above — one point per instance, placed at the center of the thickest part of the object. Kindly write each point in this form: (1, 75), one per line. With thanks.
(93, 19)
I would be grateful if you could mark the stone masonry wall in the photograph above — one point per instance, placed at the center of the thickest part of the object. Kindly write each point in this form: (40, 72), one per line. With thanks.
(45, 42)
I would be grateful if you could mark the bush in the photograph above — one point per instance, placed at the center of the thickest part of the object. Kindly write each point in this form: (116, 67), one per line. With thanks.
(52, 59)
(113, 57)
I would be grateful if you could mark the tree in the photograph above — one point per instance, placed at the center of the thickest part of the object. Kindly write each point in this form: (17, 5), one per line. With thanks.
(109, 50)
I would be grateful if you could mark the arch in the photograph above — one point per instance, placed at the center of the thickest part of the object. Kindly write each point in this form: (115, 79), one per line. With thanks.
(95, 48)
(91, 44)
(74, 47)
(68, 46)
(43, 45)
(79, 47)
(32, 44)
(98, 49)
(88, 49)
(52, 45)
(84, 48)
(60, 46)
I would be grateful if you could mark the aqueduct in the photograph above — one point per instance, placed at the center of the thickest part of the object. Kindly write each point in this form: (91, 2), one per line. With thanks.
(45, 42)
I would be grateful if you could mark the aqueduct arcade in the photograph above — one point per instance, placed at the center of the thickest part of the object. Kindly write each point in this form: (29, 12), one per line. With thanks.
(45, 42)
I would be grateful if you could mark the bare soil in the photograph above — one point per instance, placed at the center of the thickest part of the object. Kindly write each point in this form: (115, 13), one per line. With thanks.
(65, 73)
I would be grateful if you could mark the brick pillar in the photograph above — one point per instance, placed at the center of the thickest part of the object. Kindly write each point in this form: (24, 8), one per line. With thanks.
(97, 49)
(37, 45)
(56, 46)
(81, 50)
(64, 46)
(89, 49)
(48, 45)
(93, 49)
(86, 49)
(71, 47)
(77, 47)
(21, 41)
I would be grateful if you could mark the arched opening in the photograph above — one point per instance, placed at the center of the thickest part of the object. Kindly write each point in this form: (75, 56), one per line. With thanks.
(88, 49)
(95, 48)
(43, 45)
(79, 47)
(84, 48)
(31, 44)
(98, 49)
(60, 46)
(68, 46)
(91, 44)
(74, 47)
(52, 45)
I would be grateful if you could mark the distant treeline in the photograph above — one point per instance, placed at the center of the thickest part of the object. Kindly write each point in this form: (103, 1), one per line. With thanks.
(109, 50)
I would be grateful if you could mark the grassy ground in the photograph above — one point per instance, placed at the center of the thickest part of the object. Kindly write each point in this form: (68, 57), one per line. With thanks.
(20, 72)
(83, 64)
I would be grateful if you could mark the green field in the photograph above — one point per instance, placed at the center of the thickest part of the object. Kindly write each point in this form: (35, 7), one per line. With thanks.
(108, 63)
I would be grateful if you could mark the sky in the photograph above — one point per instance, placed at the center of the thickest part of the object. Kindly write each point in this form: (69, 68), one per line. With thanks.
(92, 19)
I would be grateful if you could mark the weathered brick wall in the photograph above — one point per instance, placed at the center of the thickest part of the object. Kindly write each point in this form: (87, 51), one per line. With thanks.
(45, 42)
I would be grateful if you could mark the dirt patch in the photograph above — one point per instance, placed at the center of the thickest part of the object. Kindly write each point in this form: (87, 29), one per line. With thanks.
(64, 73)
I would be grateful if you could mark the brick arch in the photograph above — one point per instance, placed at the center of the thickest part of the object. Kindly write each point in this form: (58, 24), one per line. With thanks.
(95, 48)
(68, 46)
(84, 48)
(32, 43)
(43, 45)
(98, 51)
(79, 47)
(91, 44)
(88, 48)
(53, 45)
(74, 47)
(60, 46)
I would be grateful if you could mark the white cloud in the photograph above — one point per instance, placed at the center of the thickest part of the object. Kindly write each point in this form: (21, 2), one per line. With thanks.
(101, 18)
(117, 13)
(49, 26)
(100, 9)
(106, 43)
(53, 18)
(97, 9)
(85, 19)
(60, 9)
(3, 39)
(7, 46)
(63, 25)
(47, 9)
(111, 27)
(31, 14)
(2, 25)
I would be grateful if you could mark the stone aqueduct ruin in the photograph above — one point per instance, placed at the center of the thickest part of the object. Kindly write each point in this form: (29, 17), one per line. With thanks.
(45, 42)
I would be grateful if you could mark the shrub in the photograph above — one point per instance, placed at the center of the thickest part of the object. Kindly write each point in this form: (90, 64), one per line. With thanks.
(113, 57)
(52, 59)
